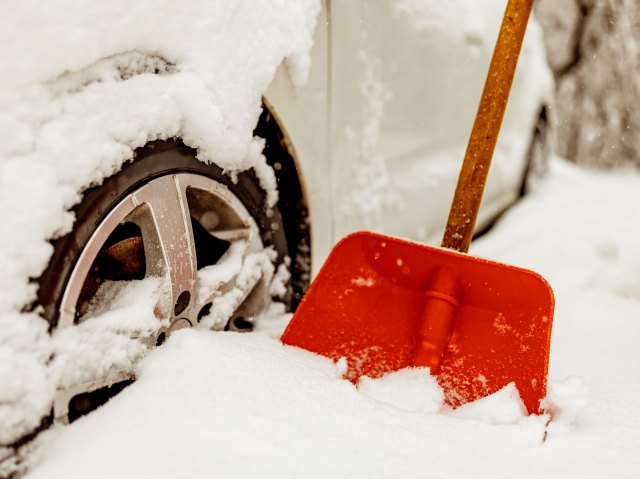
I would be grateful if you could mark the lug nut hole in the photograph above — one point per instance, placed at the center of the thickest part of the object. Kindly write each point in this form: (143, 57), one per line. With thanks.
(182, 302)
(206, 309)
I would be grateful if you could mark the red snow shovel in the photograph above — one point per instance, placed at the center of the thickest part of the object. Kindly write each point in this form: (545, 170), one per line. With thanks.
(385, 304)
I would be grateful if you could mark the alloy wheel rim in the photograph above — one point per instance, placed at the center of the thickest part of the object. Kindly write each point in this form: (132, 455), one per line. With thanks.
(176, 216)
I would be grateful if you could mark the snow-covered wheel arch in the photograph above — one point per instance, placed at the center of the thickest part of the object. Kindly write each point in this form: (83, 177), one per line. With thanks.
(76, 102)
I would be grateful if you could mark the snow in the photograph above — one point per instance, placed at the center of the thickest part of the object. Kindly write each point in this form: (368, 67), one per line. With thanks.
(82, 85)
(81, 352)
(212, 403)
(411, 389)
(565, 402)
(459, 16)
(245, 419)
(24, 397)
(247, 269)
(74, 109)
(369, 189)
(501, 407)
(278, 286)
(74, 104)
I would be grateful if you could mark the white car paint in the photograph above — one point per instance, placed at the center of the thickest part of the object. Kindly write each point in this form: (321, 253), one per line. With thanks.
(381, 126)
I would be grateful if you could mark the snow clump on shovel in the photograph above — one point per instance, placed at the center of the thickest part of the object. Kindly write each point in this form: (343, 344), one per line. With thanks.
(500, 408)
(416, 390)
(410, 389)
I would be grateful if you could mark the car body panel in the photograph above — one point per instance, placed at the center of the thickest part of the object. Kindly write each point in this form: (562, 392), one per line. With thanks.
(303, 114)
(403, 83)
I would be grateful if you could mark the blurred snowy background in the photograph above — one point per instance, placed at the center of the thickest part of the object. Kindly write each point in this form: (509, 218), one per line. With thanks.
(594, 51)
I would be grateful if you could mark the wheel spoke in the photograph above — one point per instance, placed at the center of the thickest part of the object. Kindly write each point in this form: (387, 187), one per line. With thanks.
(169, 243)
(228, 285)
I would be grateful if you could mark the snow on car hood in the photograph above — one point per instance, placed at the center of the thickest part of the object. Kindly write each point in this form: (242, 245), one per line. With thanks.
(82, 85)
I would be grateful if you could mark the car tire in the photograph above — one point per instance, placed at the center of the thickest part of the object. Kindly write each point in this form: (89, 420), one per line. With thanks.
(538, 154)
(242, 201)
(157, 159)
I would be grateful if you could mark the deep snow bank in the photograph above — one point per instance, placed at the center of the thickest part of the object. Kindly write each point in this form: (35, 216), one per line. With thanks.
(82, 84)
(222, 404)
(236, 405)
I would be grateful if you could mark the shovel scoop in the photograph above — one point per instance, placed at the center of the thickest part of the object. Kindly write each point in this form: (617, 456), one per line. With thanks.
(385, 304)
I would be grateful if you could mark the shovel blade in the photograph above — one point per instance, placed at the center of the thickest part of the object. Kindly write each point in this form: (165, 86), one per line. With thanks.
(367, 305)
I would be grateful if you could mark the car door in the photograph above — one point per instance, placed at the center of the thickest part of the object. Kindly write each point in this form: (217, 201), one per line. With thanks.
(405, 83)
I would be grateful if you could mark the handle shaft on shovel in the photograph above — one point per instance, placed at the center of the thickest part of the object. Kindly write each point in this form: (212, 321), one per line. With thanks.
(482, 143)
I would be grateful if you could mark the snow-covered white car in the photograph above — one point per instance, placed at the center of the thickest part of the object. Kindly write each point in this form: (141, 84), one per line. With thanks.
(217, 150)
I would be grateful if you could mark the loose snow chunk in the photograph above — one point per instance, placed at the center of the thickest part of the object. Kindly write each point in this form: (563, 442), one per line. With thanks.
(411, 389)
(342, 367)
(278, 285)
(228, 282)
(500, 408)
(25, 387)
(364, 282)
(113, 340)
(565, 403)
(272, 322)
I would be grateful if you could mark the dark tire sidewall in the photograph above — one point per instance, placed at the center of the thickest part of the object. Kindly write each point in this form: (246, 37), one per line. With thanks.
(156, 159)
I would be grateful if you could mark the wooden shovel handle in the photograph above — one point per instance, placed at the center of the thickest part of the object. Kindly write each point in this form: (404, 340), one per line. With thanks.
(482, 143)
